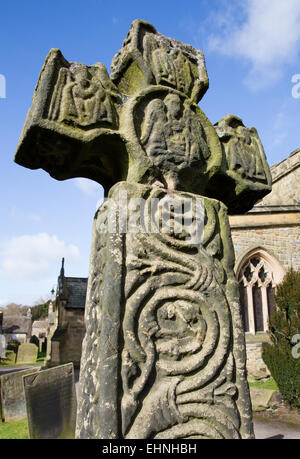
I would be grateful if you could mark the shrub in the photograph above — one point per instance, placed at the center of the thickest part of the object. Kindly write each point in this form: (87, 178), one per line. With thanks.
(284, 324)
(40, 311)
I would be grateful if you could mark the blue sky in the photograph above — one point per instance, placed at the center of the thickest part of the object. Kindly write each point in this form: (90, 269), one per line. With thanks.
(252, 53)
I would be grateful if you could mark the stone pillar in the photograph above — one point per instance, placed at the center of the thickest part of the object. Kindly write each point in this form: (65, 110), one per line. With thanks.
(164, 352)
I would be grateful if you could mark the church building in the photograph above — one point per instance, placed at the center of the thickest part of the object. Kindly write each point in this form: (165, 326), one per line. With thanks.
(267, 244)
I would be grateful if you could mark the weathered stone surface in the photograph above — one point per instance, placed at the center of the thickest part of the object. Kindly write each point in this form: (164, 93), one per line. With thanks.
(141, 125)
(181, 371)
(263, 399)
(2, 346)
(12, 395)
(27, 353)
(286, 176)
(244, 174)
(256, 367)
(51, 403)
(164, 353)
(149, 58)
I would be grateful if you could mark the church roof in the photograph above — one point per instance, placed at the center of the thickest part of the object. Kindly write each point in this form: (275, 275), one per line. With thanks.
(40, 324)
(72, 289)
(76, 291)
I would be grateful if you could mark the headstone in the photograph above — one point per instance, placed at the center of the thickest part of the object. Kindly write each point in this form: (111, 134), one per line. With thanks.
(164, 351)
(27, 353)
(44, 346)
(2, 346)
(12, 395)
(34, 340)
(51, 403)
(2, 339)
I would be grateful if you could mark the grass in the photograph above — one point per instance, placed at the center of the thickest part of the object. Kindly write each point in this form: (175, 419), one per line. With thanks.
(14, 430)
(39, 362)
(269, 384)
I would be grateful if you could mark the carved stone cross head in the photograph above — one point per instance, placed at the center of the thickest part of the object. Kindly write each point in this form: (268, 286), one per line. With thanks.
(141, 124)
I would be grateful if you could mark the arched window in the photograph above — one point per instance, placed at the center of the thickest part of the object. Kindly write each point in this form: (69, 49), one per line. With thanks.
(258, 276)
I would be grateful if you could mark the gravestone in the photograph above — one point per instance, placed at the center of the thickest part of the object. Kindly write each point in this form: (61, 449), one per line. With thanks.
(2, 346)
(27, 353)
(2, 339)
(164, 351)
(34, 340)
(51, 403)
(12, 395)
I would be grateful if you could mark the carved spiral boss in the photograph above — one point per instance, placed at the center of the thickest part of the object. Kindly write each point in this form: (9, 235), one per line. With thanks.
(164, 351)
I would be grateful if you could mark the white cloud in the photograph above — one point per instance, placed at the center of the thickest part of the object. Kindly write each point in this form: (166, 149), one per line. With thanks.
(89, 187)
(268, 38)
(34, 256)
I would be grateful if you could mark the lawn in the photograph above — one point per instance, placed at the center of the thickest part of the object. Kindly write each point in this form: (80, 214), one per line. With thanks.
(14, 430)
(269, 384)
(39, 362)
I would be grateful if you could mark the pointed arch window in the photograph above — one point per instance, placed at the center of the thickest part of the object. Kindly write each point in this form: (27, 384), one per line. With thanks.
(257, 285)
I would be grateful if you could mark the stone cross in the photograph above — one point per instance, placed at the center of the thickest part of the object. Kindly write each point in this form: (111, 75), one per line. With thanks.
(164, 351)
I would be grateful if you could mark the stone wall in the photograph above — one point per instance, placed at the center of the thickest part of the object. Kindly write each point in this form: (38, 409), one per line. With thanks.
(281, 242)
(67, 338)
(286, 182)
(256, 368)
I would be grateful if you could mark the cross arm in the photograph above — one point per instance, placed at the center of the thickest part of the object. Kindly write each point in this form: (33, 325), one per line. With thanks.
(71, 129)
(244, 176)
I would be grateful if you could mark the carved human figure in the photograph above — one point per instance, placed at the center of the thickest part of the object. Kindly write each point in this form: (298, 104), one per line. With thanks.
(90, 101)
(169, 65)
(197, 147)
(243, 155)
(163, 65)
(175, 126)
(154, 132)
(81, 97)
(243, 148)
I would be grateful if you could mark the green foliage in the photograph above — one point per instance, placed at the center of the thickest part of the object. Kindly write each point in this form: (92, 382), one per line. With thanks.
(285, 320)
(284, 324)
(40, 311)
(14, 430)
(41, 357)
(269, 384)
